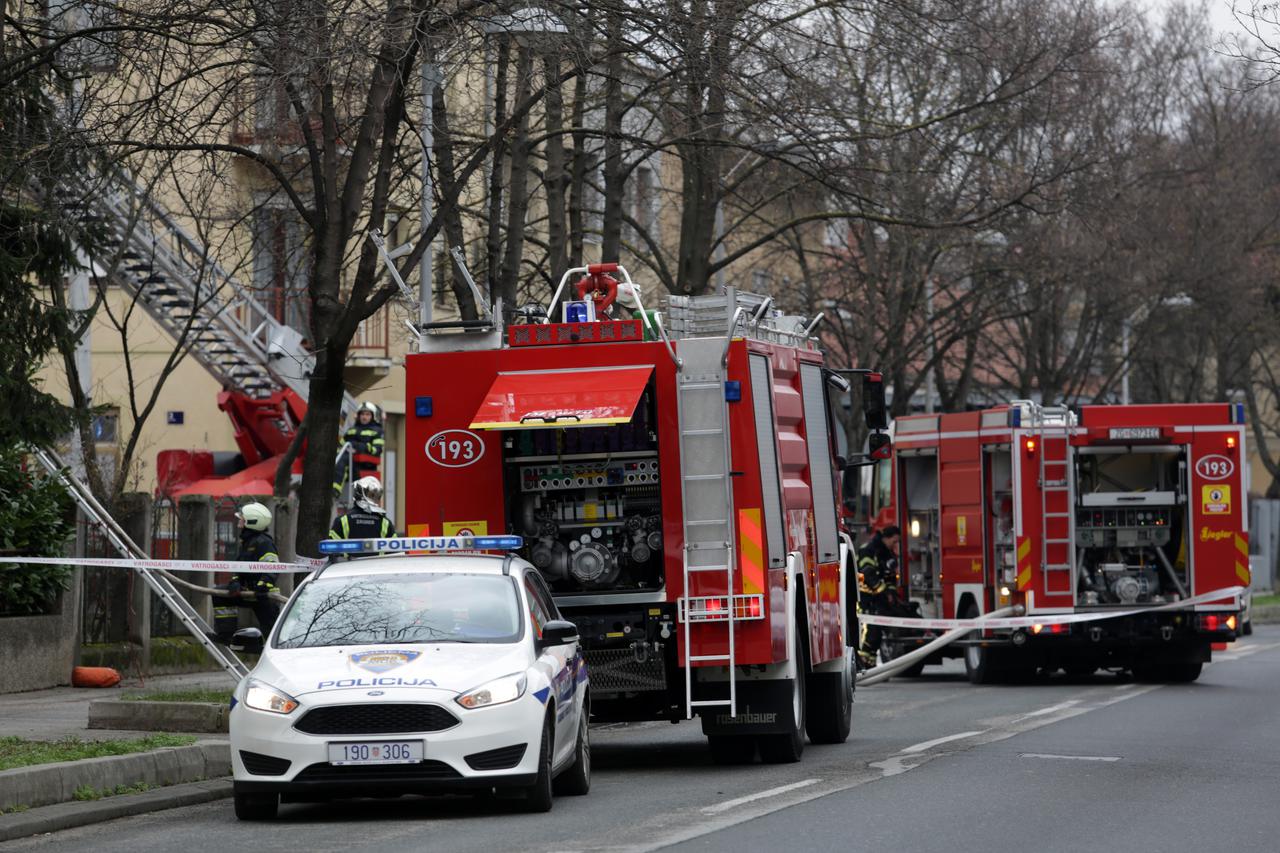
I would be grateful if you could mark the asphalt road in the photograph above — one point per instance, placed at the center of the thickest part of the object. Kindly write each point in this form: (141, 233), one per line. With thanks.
(935, 764)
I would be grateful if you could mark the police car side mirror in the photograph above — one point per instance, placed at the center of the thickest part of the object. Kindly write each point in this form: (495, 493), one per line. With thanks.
(248, 640)
(557, 632)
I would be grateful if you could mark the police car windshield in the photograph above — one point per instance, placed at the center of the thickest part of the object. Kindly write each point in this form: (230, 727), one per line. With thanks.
(416, 608)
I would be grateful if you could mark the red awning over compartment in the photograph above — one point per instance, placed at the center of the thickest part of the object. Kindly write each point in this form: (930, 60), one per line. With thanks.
(541, 399)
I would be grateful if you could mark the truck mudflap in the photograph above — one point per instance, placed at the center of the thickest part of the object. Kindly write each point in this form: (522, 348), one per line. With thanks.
(764, 708)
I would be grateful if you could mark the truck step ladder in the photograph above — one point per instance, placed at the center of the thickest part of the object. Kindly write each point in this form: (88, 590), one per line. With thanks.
(706, 492)
(1053, 427)
(229, 332)
(128, 549)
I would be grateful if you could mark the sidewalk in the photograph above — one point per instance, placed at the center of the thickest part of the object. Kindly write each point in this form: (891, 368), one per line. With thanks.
(64, 711)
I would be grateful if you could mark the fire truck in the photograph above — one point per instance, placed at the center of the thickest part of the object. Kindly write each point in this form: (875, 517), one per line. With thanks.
(1134, 511)
(676, 485)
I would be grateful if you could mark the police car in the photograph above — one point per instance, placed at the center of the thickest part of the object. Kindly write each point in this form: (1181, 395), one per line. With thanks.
(392, 674)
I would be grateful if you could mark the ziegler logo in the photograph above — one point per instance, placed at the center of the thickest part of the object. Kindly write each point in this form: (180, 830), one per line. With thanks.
(1215, 467)
(455, 448)
(1207, 535)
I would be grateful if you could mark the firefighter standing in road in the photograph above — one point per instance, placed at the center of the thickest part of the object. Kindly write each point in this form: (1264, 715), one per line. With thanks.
(256, 546)
(367, 519)
(367, 439)
(877, 583)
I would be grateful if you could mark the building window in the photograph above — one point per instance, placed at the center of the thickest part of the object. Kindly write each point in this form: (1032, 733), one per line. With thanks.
(280, 266)
(106, 427)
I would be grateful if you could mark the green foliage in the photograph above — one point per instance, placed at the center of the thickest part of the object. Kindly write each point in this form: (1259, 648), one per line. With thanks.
(35, 520)
(18, 752)
(35, 253)
(88, 792)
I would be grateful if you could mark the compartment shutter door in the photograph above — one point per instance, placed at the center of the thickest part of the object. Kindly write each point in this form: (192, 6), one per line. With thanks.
(821, 470)
(767, 443)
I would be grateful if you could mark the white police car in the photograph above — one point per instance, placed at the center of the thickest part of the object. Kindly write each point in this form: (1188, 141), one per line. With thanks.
(390, 675)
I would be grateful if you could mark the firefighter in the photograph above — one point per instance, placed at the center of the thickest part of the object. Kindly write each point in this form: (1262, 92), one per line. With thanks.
(366, 438)
(877, 588)
(367, 519)
(256, 546)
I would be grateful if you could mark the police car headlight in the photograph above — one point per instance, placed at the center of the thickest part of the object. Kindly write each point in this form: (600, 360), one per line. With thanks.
(264, 697)
(509, 688)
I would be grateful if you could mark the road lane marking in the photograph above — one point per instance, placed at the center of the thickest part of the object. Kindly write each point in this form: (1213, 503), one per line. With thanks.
(759, 795)
(1069, 757)
(1049, 710)
(930, 744)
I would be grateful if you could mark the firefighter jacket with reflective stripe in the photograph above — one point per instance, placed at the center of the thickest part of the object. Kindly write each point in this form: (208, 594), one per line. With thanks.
(255, 547)
(877, 566)
(360, 523)
(366, 439)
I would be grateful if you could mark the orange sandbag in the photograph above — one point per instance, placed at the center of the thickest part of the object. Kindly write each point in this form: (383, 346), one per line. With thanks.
(94, 676)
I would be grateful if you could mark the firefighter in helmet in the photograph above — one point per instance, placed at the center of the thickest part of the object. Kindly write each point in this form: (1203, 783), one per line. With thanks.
(256, 546)
(366, 440)
(877, 587)
(367, 519)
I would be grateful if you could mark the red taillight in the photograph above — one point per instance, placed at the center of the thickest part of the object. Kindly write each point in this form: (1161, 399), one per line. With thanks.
(715, 604)
(754, 607)
(1212, 622)
(1049, 629)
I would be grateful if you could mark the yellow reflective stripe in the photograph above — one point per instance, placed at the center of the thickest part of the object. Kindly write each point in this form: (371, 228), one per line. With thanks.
(269, 557)
(1024, 578)
(1242, 572)
(1024, 548)
(1242, 545)
(346, 527)
(751, 547)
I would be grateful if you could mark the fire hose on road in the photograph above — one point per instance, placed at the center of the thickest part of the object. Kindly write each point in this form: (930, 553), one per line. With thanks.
(893, 667)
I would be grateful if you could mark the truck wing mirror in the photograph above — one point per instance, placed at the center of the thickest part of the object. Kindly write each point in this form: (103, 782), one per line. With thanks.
(879, 445)
(874, 408)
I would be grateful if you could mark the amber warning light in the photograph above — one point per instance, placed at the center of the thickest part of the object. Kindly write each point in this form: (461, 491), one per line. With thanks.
(1030, 444)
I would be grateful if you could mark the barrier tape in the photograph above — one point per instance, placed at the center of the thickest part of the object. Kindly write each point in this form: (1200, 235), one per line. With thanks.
(304, 565)
(1047, 618)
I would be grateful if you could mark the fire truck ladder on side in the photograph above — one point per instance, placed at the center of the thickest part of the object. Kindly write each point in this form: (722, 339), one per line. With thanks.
(128, 549)
(1052, 426)
(706, 492)
(174, 278)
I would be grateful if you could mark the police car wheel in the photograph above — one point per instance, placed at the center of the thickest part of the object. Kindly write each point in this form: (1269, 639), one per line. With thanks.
(257, 806)
(539, 795)
(576, 779)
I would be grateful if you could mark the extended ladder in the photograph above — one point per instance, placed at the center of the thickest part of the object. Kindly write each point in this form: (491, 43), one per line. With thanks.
(1052, 426)
(231, 333)
(706, 492)
(127, 548)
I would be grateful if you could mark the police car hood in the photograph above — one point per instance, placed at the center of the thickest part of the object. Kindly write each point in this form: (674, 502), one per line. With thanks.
(449, 667)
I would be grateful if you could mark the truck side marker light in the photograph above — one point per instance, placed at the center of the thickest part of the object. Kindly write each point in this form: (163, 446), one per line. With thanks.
(1030, 444)
(1231, 442)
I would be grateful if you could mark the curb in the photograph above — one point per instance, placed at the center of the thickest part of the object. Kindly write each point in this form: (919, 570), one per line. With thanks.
(143, 716)
(70, 815)
(1266, 615)
(51, 784)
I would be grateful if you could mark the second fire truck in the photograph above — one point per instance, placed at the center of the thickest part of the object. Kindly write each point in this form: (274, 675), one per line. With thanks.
(676, 488)
(1134, 510)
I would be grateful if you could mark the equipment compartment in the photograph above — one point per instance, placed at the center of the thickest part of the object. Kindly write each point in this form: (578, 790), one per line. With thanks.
(588, 502)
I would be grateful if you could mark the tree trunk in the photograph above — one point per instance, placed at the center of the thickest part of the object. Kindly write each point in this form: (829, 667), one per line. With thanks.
(614, 179)
(493, 243)
(452, 214)
(519, 190)
(324, 407)
(581, 165)
(557, 251)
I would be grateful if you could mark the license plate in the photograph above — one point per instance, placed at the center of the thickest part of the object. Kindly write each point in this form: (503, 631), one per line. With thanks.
(376, 752)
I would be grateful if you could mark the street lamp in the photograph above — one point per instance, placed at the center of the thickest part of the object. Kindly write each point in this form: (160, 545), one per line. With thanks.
(1178, 300)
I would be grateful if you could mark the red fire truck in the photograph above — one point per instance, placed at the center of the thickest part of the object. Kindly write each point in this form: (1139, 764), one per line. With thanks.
(1135, 510)
(677, 489)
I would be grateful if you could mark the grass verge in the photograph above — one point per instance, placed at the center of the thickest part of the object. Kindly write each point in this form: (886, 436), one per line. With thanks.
(1266, 600)
(18, 752)
(217, 697)
(85, 792)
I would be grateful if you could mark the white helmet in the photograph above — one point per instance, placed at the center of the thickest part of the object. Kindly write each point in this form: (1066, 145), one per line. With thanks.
(628, 296)
(366, 406)
(367, 490)
(255, 516)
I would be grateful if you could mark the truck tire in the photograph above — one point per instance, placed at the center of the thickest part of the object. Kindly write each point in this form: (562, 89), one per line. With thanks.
(788, 747)
(830, 708)
(729, 750)
(982, 664)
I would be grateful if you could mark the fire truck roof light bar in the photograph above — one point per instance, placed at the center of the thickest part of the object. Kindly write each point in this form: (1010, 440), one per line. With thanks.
(404, 544)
